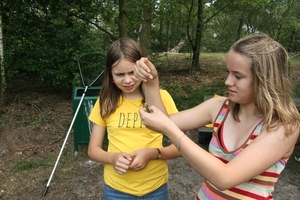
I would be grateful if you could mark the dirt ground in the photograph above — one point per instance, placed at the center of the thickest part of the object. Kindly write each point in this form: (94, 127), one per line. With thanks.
(36, 124)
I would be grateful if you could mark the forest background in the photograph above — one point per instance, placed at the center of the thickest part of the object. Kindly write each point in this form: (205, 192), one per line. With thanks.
(42, 41)
(47, 37)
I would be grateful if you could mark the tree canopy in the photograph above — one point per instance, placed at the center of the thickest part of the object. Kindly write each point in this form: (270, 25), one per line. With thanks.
(47, 37)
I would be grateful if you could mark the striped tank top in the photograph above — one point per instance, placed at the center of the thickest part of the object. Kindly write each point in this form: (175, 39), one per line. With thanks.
(260, 187)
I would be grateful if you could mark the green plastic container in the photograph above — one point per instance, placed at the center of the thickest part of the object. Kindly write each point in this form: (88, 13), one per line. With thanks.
(82, 127)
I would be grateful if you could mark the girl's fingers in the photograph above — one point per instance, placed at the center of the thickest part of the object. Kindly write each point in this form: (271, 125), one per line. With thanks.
(144, 62)
(142, 71)
(139, 71)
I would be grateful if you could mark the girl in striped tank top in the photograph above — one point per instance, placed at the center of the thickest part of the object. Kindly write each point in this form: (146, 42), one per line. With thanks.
(256, 125)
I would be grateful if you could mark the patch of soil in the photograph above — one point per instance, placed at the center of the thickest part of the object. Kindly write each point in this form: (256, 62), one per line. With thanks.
(34, 125)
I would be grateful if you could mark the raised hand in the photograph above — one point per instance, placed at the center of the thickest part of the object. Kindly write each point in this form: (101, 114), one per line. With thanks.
(145, 70)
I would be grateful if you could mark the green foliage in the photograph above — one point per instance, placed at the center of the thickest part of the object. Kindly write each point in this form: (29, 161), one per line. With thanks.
(295, 60)
(47, 37)
(3, 125)
(48, 41)
(195, 96)
(187, 96)
(23, 165)
(295, 65)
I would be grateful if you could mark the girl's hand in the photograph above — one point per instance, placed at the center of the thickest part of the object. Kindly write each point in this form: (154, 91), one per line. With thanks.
(145, 70)
(121, 162)
(156, 120)
(141, 158)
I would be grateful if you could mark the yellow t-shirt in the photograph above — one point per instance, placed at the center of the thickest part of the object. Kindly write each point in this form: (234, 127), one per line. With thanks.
(126, 133)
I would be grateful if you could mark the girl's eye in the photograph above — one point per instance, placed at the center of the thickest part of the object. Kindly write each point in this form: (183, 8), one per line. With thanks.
(237, 77)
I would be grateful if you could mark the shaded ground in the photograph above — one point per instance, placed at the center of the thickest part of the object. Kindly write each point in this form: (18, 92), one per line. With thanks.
(36, 124)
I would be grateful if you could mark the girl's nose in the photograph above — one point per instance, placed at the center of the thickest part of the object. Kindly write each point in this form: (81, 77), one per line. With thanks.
(128, 78)
(228, 81)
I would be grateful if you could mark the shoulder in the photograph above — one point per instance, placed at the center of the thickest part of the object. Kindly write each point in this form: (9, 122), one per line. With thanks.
(216, 101)
(168, 101)
(279, 139)
(213, 105)
(165, 94)
(210, 107)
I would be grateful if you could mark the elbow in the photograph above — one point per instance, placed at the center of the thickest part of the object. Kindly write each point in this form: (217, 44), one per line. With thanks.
(90, 152)
(96, 154)
(224, 183)
(222, 187)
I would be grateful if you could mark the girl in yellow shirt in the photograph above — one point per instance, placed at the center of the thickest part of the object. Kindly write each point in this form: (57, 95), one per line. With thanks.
(135, 161)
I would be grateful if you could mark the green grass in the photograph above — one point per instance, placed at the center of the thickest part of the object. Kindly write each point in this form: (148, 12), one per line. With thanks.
(295, 60)
(215, 59)
(295, 65)
(3, 125)
(22, 165)
(195, 97)
(187, 96)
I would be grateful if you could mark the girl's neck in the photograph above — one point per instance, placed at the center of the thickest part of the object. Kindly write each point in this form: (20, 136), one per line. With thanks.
(249, 111)
(132, 96)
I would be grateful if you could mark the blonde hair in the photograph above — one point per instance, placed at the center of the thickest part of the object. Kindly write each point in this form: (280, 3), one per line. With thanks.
(272, 88)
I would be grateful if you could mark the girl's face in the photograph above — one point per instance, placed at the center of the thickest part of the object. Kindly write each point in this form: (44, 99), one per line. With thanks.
(240, 79)
(123, 76)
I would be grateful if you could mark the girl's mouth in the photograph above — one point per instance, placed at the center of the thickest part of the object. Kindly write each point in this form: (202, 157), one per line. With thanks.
(128, 87)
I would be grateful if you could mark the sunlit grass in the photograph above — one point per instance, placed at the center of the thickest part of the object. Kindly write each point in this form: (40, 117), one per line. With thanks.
(195, 96)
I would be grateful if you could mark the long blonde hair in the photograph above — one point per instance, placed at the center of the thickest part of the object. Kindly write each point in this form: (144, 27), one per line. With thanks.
(271, 82)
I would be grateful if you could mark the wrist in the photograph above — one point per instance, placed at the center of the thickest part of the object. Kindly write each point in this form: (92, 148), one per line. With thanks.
(158, 154)
(151, 83)
(179, 142)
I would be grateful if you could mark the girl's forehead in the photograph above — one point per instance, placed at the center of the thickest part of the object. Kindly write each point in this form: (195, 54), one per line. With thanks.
(123, 66)
(238, 61)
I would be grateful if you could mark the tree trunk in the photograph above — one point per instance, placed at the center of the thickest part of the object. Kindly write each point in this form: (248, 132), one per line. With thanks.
(291, 41)
(145, 39)
(177, 48)
(2, 70)
(168, 34)
(196, 48)
(161, 35)
(239, 30)
(123, 19)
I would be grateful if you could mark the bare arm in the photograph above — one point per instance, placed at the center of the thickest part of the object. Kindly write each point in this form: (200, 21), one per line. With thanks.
(240, 169)
(120, 161)
(199, 115)
(123, 161)
(146, 71)
(170, 152)
(244, 166)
